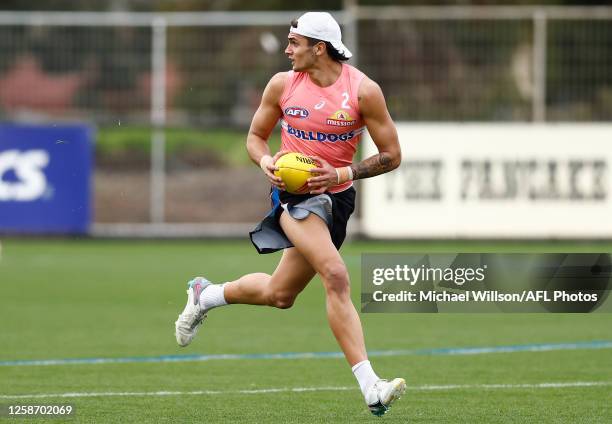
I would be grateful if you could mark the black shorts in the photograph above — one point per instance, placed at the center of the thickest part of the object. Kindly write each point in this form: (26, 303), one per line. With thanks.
(269, 237)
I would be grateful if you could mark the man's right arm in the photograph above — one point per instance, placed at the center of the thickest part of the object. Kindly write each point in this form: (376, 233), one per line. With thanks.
(265, 118)
(267, 115)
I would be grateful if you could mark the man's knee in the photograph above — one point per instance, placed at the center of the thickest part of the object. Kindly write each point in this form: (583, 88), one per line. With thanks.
(282, 300)
(335, 278)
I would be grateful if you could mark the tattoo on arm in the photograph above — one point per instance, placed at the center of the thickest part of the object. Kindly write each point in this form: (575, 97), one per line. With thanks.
(372, 166)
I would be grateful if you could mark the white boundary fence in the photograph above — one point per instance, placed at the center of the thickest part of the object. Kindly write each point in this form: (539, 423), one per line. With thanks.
(349, 18)
(482, 181)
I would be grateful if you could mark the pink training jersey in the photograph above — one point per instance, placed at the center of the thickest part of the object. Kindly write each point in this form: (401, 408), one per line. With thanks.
(323, 121)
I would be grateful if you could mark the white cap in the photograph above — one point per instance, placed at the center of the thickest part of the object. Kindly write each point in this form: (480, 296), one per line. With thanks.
(322, 26)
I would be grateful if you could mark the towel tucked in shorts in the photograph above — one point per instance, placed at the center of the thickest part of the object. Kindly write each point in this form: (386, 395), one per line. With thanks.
(333, 208)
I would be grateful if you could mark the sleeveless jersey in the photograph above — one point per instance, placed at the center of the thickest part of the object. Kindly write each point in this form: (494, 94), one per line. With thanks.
(323, 121)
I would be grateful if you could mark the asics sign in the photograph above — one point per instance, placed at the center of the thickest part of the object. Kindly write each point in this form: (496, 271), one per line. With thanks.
(27, 166)
(45, 179)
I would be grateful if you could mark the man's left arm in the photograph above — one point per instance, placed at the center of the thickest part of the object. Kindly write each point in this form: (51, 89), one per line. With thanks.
(382, 130)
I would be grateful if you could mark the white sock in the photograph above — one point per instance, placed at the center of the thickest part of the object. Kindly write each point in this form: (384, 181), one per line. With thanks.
(212, 297)
(365, 375)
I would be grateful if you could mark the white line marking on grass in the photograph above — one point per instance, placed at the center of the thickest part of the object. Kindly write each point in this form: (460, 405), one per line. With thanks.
(515, 386)
(559, 385)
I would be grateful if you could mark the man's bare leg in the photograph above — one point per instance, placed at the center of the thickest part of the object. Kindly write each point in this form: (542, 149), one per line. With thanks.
(311, 237)
(280, 289)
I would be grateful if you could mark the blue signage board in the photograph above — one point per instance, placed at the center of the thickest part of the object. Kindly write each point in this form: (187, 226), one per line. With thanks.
(45, 179)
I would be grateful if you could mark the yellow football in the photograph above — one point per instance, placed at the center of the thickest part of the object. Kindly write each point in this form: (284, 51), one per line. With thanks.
(294, 170)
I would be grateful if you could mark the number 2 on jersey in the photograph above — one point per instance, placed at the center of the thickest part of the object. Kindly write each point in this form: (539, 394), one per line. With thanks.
(345, 104)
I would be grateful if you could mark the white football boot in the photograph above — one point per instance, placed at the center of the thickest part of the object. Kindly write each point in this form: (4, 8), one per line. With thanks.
(189, 321)
(383, 393)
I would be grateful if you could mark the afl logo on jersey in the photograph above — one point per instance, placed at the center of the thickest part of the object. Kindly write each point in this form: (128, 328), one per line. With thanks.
(296, 112)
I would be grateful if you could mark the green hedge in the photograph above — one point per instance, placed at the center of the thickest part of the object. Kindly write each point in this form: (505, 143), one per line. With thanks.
(228, 145)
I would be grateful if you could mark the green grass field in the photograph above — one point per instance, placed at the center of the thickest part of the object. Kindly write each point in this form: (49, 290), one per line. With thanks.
(62, 299)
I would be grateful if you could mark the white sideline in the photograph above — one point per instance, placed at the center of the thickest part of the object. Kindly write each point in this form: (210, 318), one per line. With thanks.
(310, 389)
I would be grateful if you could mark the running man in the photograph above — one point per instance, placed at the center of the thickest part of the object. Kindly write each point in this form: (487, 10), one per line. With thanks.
(324, 107)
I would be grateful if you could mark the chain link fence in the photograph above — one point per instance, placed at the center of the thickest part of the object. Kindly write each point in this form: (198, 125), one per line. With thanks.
(450, 71)
(433, 64)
